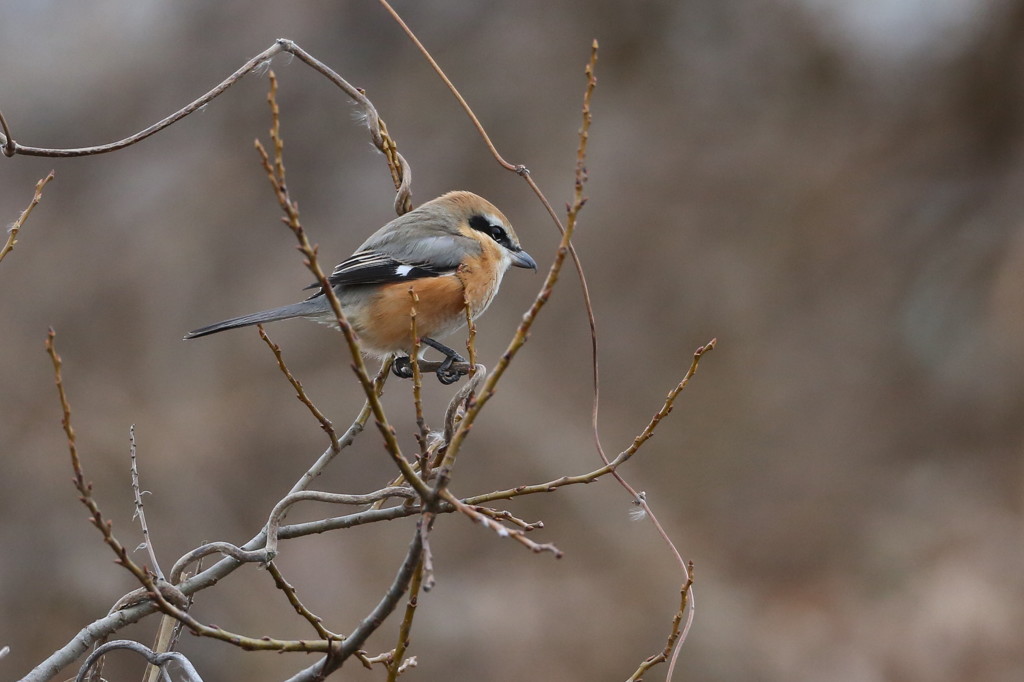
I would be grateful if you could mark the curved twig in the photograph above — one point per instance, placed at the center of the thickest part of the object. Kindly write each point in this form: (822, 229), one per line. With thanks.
(250, 66)
(400, 171)
(159, 660)
(269, 549)
(520, 169)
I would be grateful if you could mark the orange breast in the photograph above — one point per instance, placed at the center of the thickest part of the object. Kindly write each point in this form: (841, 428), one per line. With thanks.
(439, 312)
(383, 322)
(481, 277)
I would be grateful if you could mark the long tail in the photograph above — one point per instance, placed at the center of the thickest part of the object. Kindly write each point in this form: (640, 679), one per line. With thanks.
(309, 307)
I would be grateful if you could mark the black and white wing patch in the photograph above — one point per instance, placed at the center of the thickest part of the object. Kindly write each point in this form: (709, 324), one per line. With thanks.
(373, 267)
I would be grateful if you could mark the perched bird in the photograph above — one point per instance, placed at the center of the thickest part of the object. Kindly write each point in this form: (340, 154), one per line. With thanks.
(451, 250)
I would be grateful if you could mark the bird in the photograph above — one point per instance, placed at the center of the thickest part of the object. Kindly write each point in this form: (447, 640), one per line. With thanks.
(450, 251)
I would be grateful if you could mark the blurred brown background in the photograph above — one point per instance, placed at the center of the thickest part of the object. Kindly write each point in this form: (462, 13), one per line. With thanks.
(832, 189)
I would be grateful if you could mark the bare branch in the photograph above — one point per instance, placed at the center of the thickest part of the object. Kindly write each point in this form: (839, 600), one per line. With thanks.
(300, 392)
(331, 498)
(395, 665)
(505, 515)
(140, 511)
(9, 146)
(417, 381)
(685, 607)
(340, 652)
(522, 170)
(157, 659)
(400, 171)
(502, 530)
(84, 488)
(470, 328)
(311, 618)
(357, 426)
(253, 64)
(12, 231)
(269, 547)
(300, 608)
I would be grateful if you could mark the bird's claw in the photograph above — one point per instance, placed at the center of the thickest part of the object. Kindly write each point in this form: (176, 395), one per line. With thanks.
(445, 374)
(402, 367)
(448, 375)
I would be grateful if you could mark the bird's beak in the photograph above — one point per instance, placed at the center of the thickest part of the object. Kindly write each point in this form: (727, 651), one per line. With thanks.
(521, 259)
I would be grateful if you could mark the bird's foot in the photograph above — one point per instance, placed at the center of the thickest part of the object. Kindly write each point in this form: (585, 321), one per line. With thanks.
(402, 367)
(446, 374)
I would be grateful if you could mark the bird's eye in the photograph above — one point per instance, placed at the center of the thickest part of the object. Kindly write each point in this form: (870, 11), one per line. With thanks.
(495, 232)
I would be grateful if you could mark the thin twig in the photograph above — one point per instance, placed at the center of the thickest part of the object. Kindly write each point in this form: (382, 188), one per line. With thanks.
(252, 65)
(178, 625)
(12, 231)
(500, 529)
(161, 660)
(300, 392)
(619, 459)
(674, 635)
(470, 327)
(577, 204)
(426, 524)
(417, 381)
(140, 511)
(300, 608)
(164, 595)
(670, 399)
(340, 651)
(400, 171)
(680, 634)
(357, 426)
(406, 626)
(505, 515)
(84, 488)
(455, 92)
(268, 551)
(9, 146)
